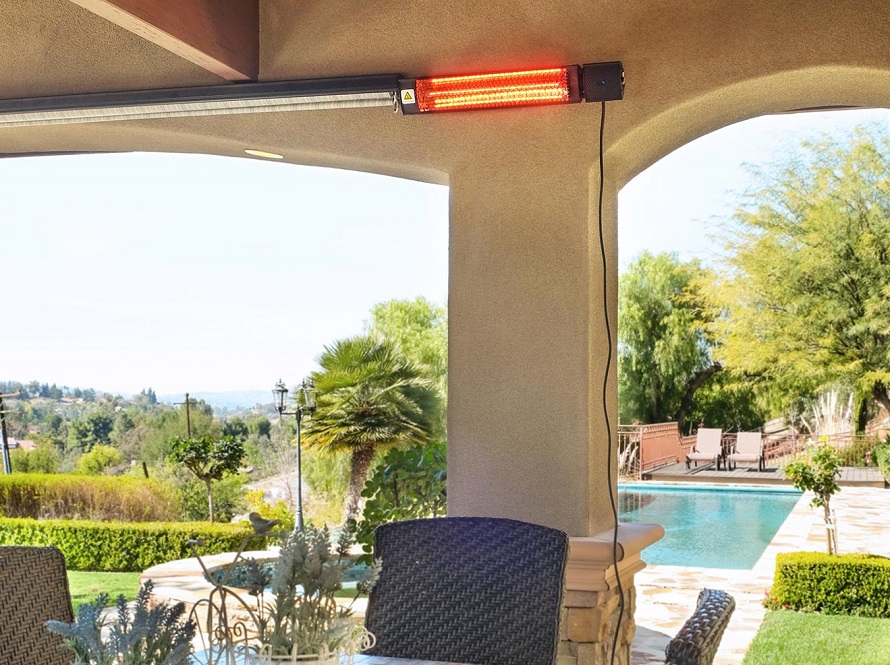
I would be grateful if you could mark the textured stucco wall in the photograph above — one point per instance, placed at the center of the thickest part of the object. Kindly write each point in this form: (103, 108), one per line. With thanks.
(527, 436)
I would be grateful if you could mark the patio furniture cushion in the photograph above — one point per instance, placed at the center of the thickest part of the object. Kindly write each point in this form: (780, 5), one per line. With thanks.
(708, 447)
(468, 590)
(698, 639)
(748, 448)
(33, 589)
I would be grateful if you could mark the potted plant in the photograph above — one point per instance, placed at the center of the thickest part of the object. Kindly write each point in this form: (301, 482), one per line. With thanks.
(147, 634)
(298, 619)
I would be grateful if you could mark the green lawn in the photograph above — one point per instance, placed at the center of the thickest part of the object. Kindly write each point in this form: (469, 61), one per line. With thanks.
(86, 586)
(795, 638)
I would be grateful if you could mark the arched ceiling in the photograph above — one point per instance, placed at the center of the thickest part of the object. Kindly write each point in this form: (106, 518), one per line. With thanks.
(691, 67)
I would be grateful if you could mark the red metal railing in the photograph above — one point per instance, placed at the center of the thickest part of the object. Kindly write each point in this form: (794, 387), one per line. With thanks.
(642, 448)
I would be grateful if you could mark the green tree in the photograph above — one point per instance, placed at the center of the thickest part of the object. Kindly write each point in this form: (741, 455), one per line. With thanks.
(420, 329)
(163, 426)
(817, 471)
(98, 459)
(370, 397)
(664, 347)
(259, 426)
(807, 299)
(235, 427)
(729, 402)
(209, 459)
(95, 428)
(45, 458)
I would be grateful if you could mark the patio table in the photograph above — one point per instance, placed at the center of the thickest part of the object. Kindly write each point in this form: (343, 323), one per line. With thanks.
(368, 660)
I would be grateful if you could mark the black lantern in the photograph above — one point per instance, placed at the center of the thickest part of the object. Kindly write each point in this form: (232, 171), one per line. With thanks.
(304, 404)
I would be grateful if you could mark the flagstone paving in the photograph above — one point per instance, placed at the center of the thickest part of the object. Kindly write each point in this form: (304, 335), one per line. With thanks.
(666, 595)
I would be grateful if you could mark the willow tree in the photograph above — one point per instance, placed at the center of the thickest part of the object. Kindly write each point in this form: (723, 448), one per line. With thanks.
(369, 397)
(807, 297)
(664, 345)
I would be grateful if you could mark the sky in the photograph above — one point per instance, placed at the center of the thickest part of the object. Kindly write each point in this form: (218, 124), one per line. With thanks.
(207, 274)
(198, 273)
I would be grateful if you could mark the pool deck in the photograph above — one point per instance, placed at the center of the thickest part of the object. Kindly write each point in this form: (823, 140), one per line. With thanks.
(866, 476)
(666, 595)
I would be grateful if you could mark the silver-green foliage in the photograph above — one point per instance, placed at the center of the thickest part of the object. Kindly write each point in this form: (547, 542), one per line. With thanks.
(144, 635)
(302, 616)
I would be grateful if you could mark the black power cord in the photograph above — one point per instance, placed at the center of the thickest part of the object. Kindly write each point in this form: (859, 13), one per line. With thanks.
(605, 393)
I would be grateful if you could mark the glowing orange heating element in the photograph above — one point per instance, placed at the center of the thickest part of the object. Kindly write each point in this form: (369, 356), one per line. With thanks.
(539, 86)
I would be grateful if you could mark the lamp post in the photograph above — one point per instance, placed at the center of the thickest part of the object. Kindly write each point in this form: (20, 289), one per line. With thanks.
(305, 404)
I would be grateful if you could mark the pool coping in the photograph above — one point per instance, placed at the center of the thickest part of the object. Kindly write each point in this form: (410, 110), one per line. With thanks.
(722, 487)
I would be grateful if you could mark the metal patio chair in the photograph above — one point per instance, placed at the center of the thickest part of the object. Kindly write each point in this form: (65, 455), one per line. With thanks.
(33, 589)
(474, 590)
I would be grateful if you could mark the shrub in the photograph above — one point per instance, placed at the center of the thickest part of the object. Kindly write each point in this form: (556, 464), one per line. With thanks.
(882, 458)
(856, 584)
(87, 497)
(98, 459)
(256, 503)
(408, 484)
(43, 459)
(121, 546)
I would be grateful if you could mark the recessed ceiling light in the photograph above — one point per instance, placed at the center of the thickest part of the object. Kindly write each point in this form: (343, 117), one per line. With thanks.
(263, 153)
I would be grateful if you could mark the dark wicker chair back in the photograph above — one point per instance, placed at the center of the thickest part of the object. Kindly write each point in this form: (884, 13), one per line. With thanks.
(698, 639)
(33, 588)
(468, 590)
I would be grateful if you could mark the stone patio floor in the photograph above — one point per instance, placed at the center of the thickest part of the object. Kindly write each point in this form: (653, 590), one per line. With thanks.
(666, 595)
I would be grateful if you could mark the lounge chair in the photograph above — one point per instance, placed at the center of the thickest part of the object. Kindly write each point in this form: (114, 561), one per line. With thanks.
(33, 588)
(708, 447)
(748, 448)
(468, 590)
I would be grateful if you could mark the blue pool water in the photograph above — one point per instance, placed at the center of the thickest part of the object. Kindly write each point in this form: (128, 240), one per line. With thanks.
(708, 528)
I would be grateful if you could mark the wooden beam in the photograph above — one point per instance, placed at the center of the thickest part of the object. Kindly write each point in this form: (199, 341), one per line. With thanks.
(222, 36)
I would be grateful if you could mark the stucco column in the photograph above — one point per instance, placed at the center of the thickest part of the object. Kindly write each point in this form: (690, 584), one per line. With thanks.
(527, 340)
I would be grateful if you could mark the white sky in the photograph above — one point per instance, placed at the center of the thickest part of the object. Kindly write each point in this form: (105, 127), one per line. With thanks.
(197, 273)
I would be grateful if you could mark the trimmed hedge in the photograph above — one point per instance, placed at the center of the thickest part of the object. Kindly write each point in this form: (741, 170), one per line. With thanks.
(122, 546)
(69, 496)
(857, 584)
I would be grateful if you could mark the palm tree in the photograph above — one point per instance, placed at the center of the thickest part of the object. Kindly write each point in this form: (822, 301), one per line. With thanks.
(369, 397)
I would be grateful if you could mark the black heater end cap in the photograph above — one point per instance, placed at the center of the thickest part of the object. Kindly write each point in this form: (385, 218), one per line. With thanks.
(602, 81)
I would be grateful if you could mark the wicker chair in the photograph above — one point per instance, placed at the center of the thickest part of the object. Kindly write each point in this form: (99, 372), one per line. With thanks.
(33, 588)
(698, 639)
(468, 590)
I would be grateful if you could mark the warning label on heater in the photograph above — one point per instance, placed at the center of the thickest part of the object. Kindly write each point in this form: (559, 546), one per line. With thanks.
(408, 97)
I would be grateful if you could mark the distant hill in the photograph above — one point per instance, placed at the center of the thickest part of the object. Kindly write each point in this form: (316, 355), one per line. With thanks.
(239, 399)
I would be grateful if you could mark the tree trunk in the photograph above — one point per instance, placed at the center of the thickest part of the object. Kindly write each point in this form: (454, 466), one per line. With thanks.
(209, 499)
(362, 456)
(879, 392)
(828, 528)
(696, 382)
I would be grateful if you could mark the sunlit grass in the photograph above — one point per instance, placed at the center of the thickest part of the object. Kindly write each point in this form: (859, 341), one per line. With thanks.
(86, 586)
(797, 638)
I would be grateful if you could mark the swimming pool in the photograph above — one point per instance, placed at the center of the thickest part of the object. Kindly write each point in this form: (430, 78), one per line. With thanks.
(711, 527)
